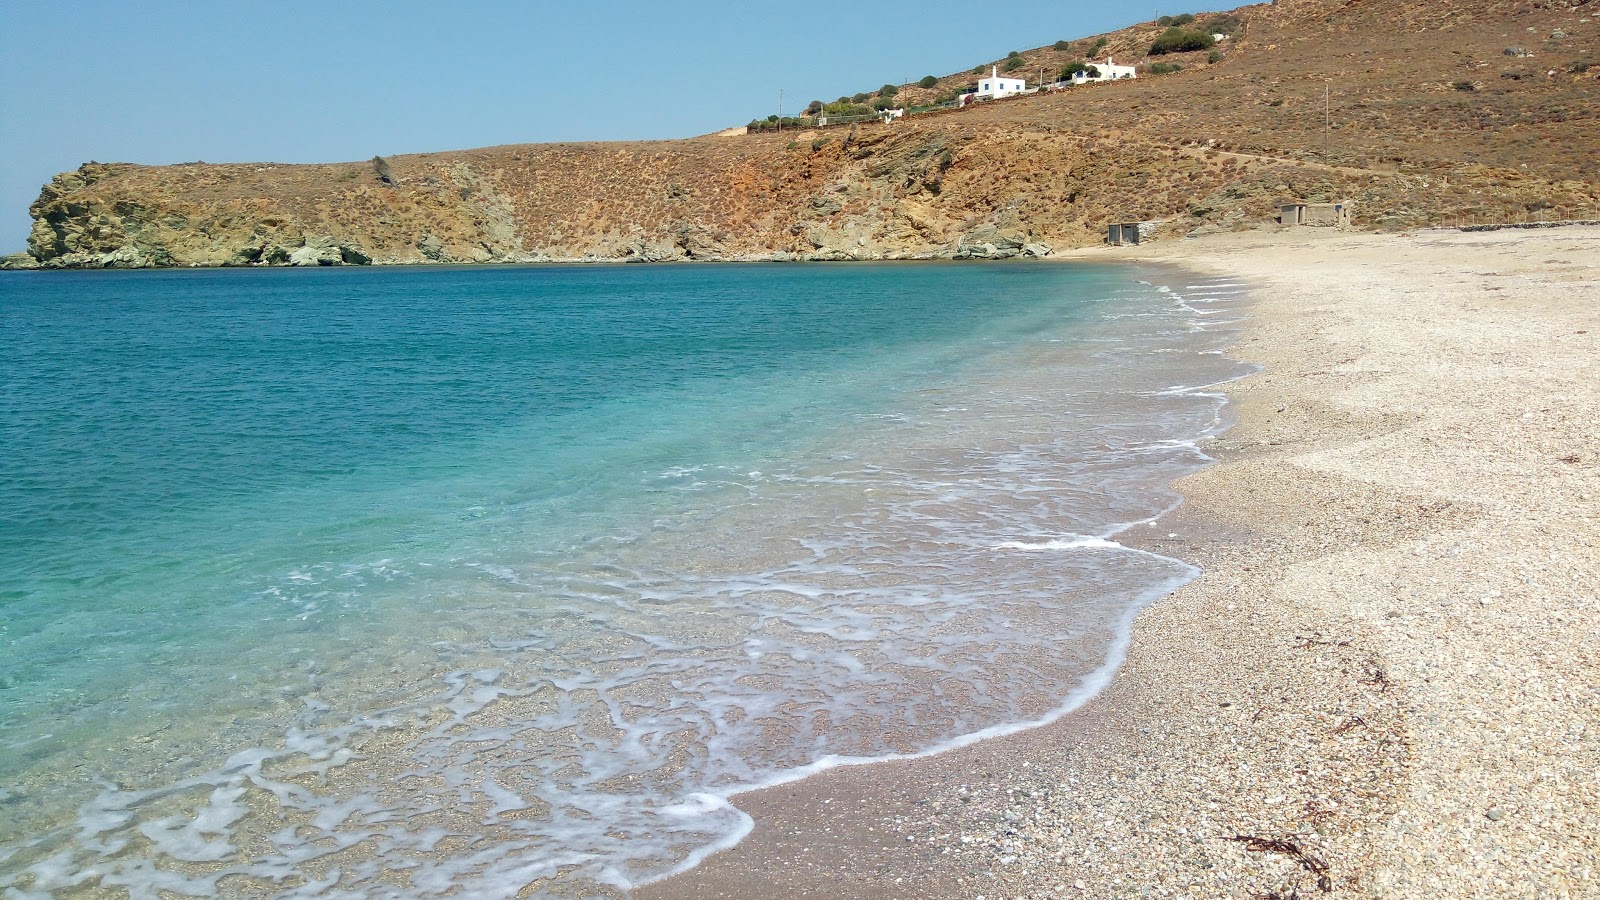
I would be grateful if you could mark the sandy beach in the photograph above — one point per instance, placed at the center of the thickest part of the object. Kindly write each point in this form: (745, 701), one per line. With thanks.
(1386, 683)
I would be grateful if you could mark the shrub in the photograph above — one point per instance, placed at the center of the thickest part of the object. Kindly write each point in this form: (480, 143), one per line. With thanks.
(846, 108)
(1062, 45)
(979, 70)
(1013, 64)
(883, 103)
(1071, 69)
(1214, 57)
(1013, 55)
(813, 107)
(927, 81)
(888, 90)
(1226, 23)
(859, 98)
(1099, 44)
(1184, 19)
(1181, 40)
(1165, 68)
(1464, 86)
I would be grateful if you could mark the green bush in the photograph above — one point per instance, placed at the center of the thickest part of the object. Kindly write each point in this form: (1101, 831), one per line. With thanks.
(1099, 44)
(979, 70)
(1464, 86)
(1184, 19)
(1181, 40)
(813, 107)
(846, 108)
(1062, 45)
(1013, 64)
(888, 90)
(1214, 57)
(859, 98)
(1165, 68)
(1013, 55)
(1226, 23)
(1071, 69)
(927, 81)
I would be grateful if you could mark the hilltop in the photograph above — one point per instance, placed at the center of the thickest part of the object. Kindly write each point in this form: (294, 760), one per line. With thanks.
(1418, 113)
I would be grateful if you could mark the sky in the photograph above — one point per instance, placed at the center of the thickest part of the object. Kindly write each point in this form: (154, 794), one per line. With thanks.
(162, 82)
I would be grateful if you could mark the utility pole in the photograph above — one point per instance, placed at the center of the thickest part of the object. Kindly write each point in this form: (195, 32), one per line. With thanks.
(780, 110)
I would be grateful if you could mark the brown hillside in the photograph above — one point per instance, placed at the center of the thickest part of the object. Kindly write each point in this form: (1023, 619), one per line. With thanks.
(1420, 113)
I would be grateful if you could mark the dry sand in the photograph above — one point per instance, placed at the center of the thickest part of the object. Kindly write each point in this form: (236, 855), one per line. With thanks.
(1386, 683)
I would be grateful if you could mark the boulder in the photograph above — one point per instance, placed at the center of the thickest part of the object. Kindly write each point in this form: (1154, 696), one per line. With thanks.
(699, 242)
(432, 248)
(1036, 250)
(642, 251)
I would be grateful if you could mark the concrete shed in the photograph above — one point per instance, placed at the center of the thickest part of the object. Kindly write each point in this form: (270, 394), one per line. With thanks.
(1129, 232)
(1323, 215)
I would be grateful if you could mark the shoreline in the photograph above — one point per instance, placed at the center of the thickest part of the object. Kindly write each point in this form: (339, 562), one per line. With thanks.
(1381, 683)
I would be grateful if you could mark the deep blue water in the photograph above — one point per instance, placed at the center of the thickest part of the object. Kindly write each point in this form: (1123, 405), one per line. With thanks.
(437, 520)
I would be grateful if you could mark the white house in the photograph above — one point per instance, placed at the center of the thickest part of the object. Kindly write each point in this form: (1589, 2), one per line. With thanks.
(996, 86)
(1109, 71)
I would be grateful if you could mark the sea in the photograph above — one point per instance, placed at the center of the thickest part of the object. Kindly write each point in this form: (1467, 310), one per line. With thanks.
(428, 582)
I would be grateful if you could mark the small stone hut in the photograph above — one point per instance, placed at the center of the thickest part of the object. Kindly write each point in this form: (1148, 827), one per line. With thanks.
(1129, 232)
(1325, 215)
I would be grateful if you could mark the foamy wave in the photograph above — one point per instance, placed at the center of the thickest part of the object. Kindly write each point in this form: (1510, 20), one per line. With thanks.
(1083, 543)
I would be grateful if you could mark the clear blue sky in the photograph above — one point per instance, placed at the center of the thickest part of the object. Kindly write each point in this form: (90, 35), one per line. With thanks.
(163, 82)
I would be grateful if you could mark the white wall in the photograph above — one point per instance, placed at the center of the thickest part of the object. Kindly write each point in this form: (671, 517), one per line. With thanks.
(994, 86)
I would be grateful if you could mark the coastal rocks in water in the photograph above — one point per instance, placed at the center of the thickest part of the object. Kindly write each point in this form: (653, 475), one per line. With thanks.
(699, 242)
(18, 261)
(642, 251)
(1036, 250)
(990, 242)
(317, 250)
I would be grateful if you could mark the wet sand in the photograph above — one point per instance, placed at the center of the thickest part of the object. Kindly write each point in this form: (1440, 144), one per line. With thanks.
(1386, 683)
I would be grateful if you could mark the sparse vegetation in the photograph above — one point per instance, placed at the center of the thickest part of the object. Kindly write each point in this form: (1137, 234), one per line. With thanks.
(888, 90)
(1013, 64)
(1464, 86)
(1178, 21)
(813, 107)
(1181, 40)
(1225, 23)
(1214, 57)
(772, 123)
(1013, 55)
(927, 81)
(1163, 68)
(1062, 46)
(1094, 50)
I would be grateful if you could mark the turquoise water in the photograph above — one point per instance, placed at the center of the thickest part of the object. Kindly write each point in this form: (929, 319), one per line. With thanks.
(417, 581)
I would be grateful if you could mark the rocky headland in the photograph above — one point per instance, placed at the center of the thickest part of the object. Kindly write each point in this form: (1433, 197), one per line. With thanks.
(1417, 114)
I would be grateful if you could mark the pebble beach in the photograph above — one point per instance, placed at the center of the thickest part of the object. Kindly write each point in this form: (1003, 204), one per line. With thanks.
(1386, 683)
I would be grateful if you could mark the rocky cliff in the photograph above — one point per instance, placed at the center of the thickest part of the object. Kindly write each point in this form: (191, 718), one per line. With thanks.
(1431, 121)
